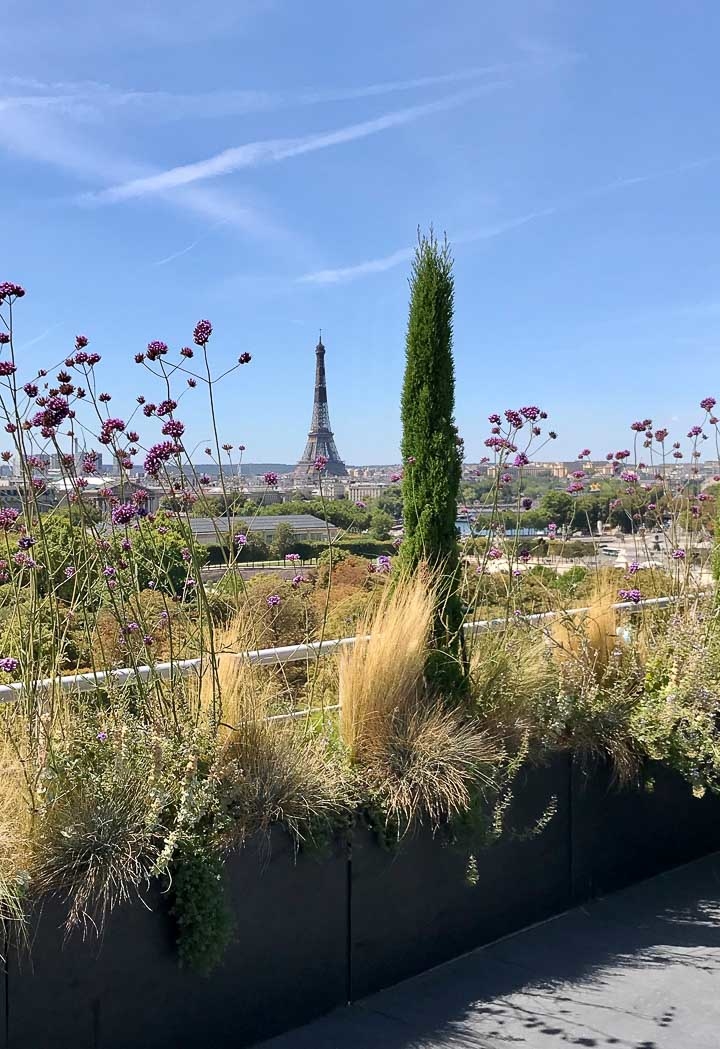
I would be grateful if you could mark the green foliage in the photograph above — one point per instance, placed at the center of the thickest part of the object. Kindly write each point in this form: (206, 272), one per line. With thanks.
(430, 444)
(487, 820)
(559, 507)
(203, 920)
(284, 541)
(100, 824)
(164, 554)
(67, 545)
(283, 623)
(380, 524)
(390, 501)
(571, 548)
(358, 546)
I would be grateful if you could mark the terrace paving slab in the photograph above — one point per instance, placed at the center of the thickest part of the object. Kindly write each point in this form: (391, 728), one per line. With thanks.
(639, 969)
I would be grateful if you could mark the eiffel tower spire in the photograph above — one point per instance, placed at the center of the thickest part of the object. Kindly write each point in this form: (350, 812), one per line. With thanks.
(320, 440)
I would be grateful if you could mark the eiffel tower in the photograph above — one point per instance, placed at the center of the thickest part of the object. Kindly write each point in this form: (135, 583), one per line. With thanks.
(320, 440)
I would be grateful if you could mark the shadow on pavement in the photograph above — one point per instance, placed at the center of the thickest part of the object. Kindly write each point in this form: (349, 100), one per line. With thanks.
(636, 970)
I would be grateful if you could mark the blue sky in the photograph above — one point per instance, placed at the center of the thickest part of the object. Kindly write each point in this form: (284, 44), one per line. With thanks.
(266, 164)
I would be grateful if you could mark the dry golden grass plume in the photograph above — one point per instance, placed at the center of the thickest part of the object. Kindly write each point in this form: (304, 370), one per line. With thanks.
(419, 758)
(591, 635)
(383, 672)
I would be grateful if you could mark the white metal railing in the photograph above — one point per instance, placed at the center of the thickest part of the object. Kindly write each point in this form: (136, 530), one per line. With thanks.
(313, 650)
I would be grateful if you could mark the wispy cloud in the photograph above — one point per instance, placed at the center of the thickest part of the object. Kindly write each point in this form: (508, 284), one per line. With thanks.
(190, 247)
(271, 151)
(41, 138)
(344, 274)
(360, 269)
(387, 262)
(91, 100)
(39, 338)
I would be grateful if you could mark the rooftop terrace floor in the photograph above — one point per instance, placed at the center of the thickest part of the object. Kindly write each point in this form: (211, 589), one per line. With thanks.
(636, 970)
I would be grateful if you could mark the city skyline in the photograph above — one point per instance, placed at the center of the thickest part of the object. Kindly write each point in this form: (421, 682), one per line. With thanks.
(570, 154)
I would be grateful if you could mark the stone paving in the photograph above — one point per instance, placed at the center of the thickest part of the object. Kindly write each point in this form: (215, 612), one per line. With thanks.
(636, 970)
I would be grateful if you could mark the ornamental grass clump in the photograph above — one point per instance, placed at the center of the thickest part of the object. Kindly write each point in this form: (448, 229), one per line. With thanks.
(590, 636)
(512, 673)
(272, 768)
(384, 671)
(15, 844)
(417, 758)
(601, 680)
(98, 840)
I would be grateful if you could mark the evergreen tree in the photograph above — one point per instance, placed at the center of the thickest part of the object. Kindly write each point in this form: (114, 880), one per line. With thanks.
(431, 448)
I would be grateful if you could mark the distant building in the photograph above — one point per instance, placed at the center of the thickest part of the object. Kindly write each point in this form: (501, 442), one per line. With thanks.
(13, 494)
(360, 491)
(305, 526)
(321, 442)
(102, 494)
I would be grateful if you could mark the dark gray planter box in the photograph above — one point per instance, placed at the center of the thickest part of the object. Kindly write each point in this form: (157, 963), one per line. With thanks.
(314, 933)
(416, 908)
(286, 966)
(620, 836)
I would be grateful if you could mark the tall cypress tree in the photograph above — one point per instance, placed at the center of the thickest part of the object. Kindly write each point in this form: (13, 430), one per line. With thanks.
(431, 448)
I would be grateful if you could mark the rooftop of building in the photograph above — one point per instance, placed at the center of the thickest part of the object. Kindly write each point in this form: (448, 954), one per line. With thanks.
(264, 522)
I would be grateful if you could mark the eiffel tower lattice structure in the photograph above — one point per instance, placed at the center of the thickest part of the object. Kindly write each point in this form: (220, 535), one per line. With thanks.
(320, 440)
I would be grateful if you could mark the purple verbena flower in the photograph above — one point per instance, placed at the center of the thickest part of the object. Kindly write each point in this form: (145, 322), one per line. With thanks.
(9, 290)
(157, 455)
(124, 513)
(202, 332)
(155, 350)
(173, 428)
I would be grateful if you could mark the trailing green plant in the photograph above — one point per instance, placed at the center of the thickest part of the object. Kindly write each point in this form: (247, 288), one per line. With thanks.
(203, 920)
(485, 821)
